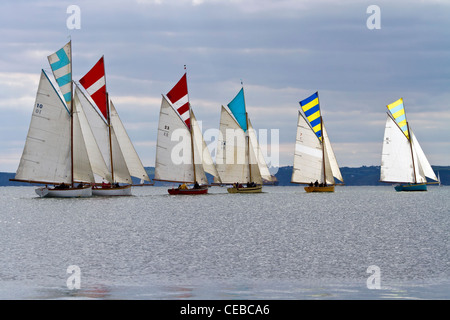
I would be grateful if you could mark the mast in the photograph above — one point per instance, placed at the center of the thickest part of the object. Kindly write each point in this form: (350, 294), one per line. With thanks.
(192, 144)
(410, 145)
(71, 117)
(109, 132)
(108, 120)
(412, 154)
(248, 151)
(190, 130)
(248, 138)
(323, 153)
(323, 144)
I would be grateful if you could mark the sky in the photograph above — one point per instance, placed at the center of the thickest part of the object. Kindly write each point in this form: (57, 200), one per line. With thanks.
(281, 50)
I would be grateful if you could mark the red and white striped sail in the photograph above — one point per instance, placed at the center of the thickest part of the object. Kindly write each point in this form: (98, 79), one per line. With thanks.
(179, 98)
(95, 84)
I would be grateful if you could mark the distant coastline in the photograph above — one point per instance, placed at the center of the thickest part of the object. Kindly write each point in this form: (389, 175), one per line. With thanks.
(361, 176)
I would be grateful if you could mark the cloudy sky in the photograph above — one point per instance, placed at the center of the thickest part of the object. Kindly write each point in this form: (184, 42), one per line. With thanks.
(282, 50)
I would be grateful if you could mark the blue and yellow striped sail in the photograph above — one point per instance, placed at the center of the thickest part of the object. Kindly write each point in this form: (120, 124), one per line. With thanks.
(398, 113)
(311, 108)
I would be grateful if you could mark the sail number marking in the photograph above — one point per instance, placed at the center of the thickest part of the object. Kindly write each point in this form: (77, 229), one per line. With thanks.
(39, 107)
(166, 130)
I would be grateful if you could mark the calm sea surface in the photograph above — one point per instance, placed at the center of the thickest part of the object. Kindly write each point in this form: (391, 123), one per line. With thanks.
(281, 244)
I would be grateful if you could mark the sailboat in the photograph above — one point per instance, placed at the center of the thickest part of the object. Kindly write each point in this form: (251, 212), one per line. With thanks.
(184, 161)
(403, 161)
(314, 161)
(120, 158)
(54, 152)
(239, 159)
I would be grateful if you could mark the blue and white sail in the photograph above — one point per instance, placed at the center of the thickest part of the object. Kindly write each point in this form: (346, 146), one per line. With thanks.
(239, 157)
(61, 65)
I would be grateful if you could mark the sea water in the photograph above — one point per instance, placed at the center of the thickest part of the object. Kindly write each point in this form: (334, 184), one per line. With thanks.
(355, 243)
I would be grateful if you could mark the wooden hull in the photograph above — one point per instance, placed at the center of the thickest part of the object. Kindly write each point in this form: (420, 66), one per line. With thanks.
(112, 192)
(64, 193)
(176, 191)
(319, 189)
(257, 189)
(411, 187)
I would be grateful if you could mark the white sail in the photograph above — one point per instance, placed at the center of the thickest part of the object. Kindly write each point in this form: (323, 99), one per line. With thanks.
(263, 170)
(82, 170)
(120, 169)
(173, 148)
(422, 161)
(99, 129)
(253, 158)
(202, 157)
(132, 160)
(308, 166)
(96, 161)
(47, 152)
(396, 160)
(231, 157)
(331, 165)
(119, 172)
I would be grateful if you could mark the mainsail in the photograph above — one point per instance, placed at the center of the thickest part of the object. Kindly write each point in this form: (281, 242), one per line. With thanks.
(57, 145)
(118, 152)
(181, 152)
(402, 158)
(47, 153)
(314, 159)
(232, 153)
(239, 157)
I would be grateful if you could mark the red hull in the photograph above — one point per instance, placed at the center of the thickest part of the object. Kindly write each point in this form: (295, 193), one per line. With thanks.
(175, 191)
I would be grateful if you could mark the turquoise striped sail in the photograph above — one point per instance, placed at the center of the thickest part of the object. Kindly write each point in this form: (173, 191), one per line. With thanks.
(62, 70)
(397, 110)
(237, 107)
(311, 108)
